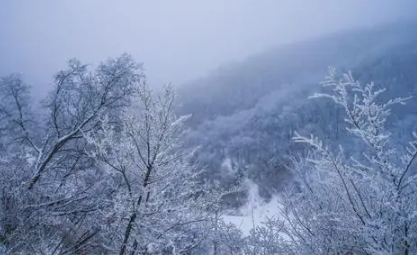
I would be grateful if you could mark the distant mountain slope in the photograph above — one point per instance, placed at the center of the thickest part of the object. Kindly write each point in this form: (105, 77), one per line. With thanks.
(247, 113)
(241, 86)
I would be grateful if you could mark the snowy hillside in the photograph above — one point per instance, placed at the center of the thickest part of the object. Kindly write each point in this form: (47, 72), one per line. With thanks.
(255, 211)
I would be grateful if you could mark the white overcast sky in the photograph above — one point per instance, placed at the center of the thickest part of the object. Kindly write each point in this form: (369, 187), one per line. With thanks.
(177, 40)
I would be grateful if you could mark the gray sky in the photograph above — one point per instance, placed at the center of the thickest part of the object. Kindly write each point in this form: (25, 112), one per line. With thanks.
(177, 40)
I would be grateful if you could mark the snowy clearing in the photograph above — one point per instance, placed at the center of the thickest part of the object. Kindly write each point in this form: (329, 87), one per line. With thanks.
(255, 211)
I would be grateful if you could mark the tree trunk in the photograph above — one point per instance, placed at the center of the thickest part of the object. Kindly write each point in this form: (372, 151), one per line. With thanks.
(127, 233)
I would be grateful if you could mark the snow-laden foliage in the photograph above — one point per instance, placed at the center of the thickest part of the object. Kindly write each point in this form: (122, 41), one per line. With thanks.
(345, 205)
(159, 202)
(51, 190)
(103, 167)
(99, 168)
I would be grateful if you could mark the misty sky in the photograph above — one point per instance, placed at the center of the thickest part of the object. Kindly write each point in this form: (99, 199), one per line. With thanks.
(177, 40)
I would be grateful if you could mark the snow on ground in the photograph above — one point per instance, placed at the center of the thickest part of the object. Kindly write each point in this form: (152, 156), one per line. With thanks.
(255, 211)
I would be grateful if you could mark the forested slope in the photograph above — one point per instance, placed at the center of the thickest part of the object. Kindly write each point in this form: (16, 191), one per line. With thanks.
(247, 113)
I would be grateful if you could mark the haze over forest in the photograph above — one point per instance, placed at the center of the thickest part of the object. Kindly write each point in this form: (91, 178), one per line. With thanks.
(177, 41)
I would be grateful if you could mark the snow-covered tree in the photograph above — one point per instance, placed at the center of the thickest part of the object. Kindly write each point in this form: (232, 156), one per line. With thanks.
(99, 168)
(346, 205)
(159, 203)
(51, 190)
